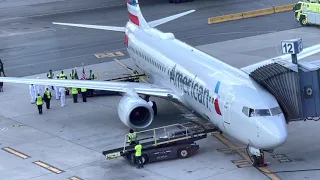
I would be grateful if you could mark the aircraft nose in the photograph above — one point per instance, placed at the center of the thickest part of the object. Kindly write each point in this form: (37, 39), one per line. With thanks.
(273, 131)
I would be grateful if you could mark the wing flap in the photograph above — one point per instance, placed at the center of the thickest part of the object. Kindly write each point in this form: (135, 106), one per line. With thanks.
(287, 57)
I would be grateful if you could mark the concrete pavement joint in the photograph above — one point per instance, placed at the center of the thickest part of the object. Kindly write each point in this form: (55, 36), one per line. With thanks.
(146, 169)
(220, 173)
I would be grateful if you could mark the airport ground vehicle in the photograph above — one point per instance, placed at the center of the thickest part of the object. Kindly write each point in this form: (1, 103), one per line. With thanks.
(164, 143)
(307, 12)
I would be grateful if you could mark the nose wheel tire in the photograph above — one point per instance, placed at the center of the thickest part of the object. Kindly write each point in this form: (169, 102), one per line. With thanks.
(254, 160)
(258, 161)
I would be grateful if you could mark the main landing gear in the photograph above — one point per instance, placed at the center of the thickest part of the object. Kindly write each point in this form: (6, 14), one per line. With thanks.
(154, 105)
(257, 157)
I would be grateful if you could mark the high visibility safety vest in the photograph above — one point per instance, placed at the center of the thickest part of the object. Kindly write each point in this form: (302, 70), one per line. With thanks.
(74, 91)
(132, 137)
(48, 94)
(83, 90)
(73, 75)
(92, 76)
(62, 76)
(39, 100)
(50, 75)
(138, 149)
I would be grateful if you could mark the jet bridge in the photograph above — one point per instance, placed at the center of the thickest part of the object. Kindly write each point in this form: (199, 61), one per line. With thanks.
(294, 85)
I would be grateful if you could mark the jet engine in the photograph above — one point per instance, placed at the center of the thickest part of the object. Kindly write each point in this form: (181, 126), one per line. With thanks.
(135, 112)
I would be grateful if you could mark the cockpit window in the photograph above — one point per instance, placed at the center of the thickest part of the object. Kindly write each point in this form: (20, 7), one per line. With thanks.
(262, 112)
(276, 111)
(297, 6)
(245, 111)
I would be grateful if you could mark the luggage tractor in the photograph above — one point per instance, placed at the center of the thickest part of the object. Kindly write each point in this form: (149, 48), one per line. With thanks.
(307, 12)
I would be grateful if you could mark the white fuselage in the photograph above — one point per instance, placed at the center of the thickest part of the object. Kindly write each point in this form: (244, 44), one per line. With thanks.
(194, 76)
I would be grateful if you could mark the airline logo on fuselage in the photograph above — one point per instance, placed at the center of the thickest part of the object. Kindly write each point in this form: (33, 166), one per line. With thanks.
(195, 89)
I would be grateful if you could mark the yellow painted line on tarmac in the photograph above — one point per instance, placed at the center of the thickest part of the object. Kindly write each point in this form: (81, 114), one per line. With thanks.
(264, 170)
(48, 167)
(109, 54)
(75, 178)
(15, 152)
(240, 161)
(231, 149)
(244, 165)
(124, 66)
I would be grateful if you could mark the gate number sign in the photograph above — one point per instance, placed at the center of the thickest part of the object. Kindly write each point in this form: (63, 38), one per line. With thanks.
(293, 46)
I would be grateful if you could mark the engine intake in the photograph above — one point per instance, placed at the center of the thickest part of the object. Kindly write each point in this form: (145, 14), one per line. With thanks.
(135, 112)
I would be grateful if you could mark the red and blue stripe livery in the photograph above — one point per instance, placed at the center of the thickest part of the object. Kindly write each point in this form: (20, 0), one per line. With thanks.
(216, 101)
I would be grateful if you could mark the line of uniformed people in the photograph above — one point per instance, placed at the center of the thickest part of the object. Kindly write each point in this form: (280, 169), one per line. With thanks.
(61, 92)
(74, 91)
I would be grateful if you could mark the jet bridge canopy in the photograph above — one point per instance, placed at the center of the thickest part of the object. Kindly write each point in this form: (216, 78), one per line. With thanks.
(295, 86)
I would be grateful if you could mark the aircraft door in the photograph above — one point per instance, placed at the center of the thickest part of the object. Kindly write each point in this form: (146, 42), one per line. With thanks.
(227, 108)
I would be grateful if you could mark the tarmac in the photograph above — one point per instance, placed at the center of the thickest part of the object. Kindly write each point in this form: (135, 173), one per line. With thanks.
(31, 44)
(67, 143)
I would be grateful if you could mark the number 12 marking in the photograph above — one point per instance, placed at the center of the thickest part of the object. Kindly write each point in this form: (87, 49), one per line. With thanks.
(288, 48)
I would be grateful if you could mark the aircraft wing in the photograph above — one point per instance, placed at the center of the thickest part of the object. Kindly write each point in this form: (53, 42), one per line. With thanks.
(122, 87)
(287, 57)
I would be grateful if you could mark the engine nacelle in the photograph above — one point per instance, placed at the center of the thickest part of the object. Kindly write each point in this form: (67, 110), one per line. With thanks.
(135, 112)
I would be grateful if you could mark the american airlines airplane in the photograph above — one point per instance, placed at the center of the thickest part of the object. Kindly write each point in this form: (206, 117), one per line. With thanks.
(180, 73)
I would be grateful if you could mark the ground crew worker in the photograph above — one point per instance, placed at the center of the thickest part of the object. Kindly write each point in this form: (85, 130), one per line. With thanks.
(1, 86)
(73, 74)
(91, 75)
(84, 94)
(132, 137)
(75, 94)
(62, 75)
(50, 74)
(62, 91)
(56, 88)
(138, 149)
(39, 103)
(1, 68)
(47, 97)
(33, 93)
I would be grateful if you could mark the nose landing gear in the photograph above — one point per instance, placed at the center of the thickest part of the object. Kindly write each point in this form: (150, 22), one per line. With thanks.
(257, 157)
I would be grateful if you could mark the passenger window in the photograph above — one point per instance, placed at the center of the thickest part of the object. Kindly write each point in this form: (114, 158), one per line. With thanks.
(245, 111)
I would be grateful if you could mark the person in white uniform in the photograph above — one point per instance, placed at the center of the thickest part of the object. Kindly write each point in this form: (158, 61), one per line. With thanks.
(57, 88)
(62, 91)
(33, 93)
(39, 88)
